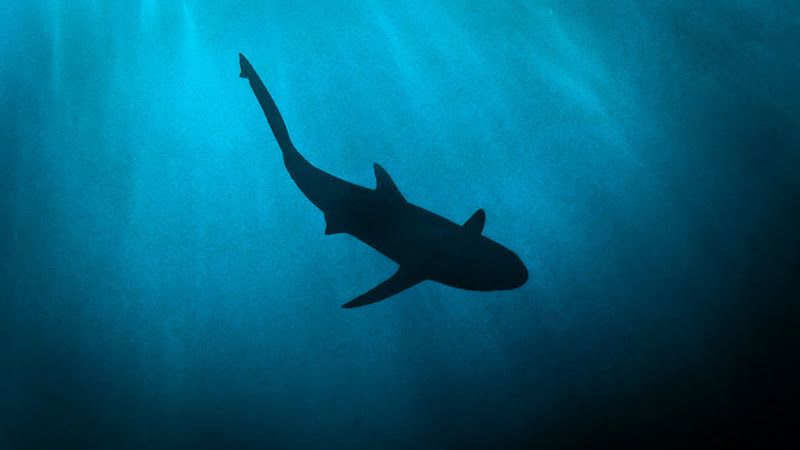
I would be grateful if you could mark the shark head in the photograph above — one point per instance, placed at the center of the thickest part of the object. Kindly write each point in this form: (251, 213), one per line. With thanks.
(483, 265)
(504, 269)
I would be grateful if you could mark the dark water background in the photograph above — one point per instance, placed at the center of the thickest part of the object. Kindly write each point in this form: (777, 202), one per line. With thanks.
(165, 285)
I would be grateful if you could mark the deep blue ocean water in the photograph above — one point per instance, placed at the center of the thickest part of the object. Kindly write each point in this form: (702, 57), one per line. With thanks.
(166, 285)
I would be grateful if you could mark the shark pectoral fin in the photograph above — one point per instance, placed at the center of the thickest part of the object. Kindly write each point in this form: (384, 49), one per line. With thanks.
(475, 223)
(398, 282)
(385, 184)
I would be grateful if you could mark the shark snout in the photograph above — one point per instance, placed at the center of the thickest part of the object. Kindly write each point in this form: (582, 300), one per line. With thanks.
(506, 271)
(517, 273)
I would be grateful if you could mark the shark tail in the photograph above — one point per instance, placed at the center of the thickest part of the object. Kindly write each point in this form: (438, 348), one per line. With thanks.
(245, 68)
(269, 107)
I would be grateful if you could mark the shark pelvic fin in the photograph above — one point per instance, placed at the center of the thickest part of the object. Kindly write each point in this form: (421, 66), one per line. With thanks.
(475, 223)
(385, 184)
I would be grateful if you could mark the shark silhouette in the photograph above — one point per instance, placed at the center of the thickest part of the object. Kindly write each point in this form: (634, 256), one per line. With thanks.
(426, 246)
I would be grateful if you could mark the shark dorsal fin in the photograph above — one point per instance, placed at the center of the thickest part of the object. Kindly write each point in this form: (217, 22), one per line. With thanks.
(384, 183)
(475, 223)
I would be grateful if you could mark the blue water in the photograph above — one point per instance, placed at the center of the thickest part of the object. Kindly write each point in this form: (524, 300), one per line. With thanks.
(166, 285)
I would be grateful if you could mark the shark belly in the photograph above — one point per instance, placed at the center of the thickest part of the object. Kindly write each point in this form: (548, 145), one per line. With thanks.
(408, 235)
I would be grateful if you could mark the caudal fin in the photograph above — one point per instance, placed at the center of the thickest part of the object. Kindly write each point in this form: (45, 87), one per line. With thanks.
(268, 106)
(246, 69)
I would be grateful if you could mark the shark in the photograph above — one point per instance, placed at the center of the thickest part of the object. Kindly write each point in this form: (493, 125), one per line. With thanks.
(424, 245)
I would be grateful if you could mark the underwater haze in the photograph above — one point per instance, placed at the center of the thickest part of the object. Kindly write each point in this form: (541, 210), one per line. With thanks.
(166, 285)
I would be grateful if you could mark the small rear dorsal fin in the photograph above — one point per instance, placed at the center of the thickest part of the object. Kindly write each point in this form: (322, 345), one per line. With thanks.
(332, 225)
(384, 183)
(475, 223)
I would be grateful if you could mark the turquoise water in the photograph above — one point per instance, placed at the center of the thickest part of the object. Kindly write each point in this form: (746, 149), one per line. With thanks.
(166, 285)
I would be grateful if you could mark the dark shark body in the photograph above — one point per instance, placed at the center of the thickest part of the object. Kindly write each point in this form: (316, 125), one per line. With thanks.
(425, 245)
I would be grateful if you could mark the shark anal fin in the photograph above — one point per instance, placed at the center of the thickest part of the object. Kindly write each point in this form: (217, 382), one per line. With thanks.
(385, 184)
(400, 281)
(475, 223)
